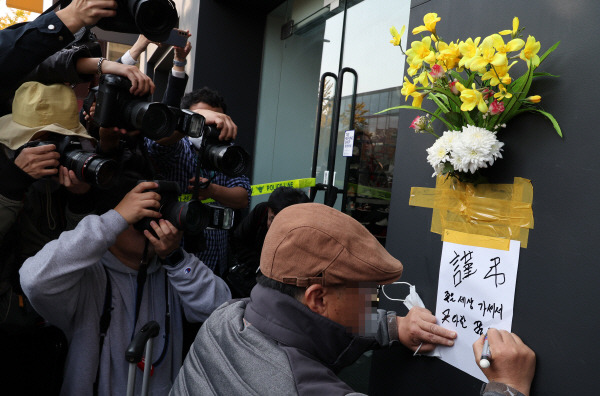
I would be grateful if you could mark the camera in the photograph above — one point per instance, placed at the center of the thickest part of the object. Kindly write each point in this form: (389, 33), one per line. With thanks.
(117, 107)
(222, 156)
(155, 19)
(191, 217)
(187, 122)
(87, 165)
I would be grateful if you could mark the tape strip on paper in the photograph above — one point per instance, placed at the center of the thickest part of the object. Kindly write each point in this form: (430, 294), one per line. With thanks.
(267, 188)
(492, 210)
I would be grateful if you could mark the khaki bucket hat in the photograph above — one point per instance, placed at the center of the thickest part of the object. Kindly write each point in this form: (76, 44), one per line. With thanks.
(39, 108)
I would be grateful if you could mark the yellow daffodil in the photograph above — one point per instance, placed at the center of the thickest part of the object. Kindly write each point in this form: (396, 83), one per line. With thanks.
(514, 30)
(487, 56)
(512, 45)
(468, 49)
(407, 88)
(423, 79)
(502, 93)
(498, 74)
(397, 37)
(413, 69)
(534, 99)
(529, 53)
(420, 51)
(417, 99)
(471, 98)
(429, 21)
(449, 55)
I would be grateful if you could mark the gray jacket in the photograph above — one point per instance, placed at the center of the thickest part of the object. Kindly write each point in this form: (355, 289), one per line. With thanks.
(66, 283)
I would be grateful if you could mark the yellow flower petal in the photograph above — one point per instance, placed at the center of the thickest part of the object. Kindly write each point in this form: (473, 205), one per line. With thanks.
(534, 99)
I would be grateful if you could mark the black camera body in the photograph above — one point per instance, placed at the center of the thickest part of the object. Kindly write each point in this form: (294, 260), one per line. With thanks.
(155, 19)
(218, 155)
(117, 107)
(191, 217)
(88, 166)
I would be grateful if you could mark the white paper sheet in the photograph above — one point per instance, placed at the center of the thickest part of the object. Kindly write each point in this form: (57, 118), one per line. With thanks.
(476, 291)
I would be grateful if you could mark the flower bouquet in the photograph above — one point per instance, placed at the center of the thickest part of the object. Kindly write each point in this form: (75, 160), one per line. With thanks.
(475, 95)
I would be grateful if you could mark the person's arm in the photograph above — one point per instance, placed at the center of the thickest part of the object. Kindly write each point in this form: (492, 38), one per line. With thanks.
(200, 290)
(141, 84)
(26, 46)
(61, 67)
(512, 365)
(177, 80)
(51, 278)
(234, 192)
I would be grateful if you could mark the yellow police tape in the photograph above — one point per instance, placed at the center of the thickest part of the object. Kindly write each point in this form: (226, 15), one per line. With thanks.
(267, 188)
(491, 210)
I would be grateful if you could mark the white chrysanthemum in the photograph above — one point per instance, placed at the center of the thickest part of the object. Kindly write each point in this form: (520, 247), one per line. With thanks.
(440, 151)
(474, 149)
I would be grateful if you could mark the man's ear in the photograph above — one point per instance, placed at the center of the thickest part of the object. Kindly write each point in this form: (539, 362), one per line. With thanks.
(313, 299)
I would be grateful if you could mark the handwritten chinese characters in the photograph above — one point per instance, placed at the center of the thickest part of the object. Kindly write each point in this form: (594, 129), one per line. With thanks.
(475, 291)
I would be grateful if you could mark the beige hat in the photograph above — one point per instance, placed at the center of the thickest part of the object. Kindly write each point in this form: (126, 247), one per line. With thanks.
(38, 107)
(313, 243)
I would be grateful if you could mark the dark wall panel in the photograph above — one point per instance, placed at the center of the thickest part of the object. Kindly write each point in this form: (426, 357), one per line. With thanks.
(557, 296)
(228, 59)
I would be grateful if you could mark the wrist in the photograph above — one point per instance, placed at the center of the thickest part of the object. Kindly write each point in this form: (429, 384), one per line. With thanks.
(70, 20)
(179, 63)
(173, 258)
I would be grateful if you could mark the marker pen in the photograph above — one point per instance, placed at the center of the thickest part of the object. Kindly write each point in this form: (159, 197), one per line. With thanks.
(486, 355)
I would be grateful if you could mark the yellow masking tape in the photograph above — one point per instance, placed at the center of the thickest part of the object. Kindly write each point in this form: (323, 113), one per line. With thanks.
(491, 210)
(267, 188)
(476, 240)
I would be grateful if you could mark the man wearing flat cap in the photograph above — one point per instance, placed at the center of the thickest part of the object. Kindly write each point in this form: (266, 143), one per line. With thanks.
(310, 315)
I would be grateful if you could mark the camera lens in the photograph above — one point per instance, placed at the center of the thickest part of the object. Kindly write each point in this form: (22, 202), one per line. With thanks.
(191, 217)
(91, 168)
(154, 18)
(230, 160)
(155, 120)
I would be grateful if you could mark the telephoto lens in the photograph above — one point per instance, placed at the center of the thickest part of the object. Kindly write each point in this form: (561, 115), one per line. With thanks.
(90, 167)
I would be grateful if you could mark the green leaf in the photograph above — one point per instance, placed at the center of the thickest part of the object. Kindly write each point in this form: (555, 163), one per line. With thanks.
(543, 74)
(458, 77)
(551, 118)
(519, 91)
(450, 126)
(549, 51)
(438, 102)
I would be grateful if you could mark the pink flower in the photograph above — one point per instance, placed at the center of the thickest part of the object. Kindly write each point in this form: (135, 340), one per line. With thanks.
(486, 93)
(436, 71)
(453, 88)
(496, 107)
(415, 124)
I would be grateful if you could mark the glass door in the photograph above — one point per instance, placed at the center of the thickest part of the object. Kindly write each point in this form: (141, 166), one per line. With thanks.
(328, 68)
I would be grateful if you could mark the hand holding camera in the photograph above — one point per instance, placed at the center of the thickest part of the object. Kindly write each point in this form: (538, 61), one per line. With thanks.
(38, 161)
(140, 203)
(167, 239)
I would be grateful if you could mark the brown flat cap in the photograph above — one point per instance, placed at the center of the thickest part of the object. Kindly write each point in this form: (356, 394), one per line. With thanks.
(313, 243)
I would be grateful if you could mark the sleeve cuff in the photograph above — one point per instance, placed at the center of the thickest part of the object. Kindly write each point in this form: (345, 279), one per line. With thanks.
(499, 389)
(127, 59)
(178, 74)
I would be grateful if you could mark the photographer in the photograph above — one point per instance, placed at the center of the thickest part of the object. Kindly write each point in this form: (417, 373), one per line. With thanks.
(24, 46)
(178, 162)
(105, 259)
(38, 200)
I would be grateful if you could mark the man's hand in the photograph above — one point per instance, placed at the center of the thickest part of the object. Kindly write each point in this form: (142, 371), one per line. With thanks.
(141, 84)
(512, 362)
(82, 13)
(38, 161)
(222, 121)
(169, 237)
(138, 203)
(68, 179)
(419, 326)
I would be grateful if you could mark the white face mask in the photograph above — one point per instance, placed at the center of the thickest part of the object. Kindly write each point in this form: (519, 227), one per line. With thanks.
(411, 300)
